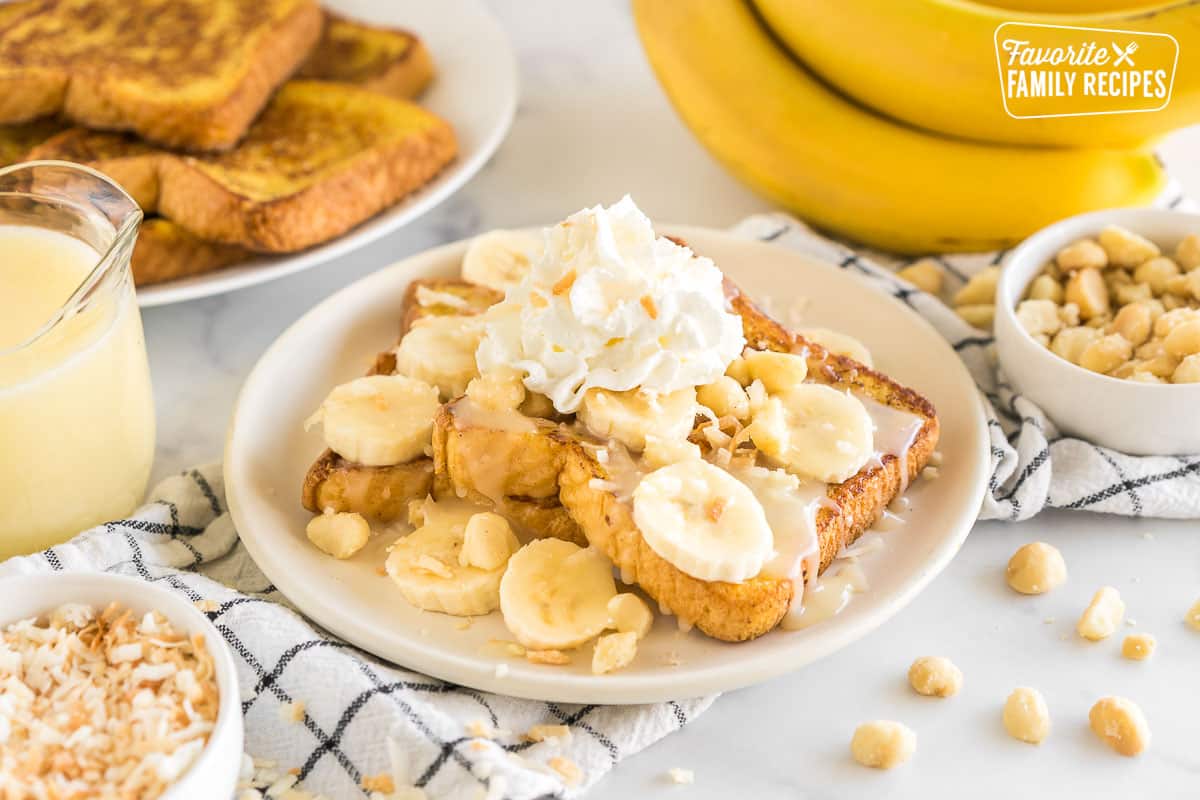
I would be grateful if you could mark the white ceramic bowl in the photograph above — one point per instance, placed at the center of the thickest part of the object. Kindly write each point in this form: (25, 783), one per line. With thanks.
(215, 772)
(1137, 418)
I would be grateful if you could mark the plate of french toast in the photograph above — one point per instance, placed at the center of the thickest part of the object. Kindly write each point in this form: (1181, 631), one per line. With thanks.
(585, 464)
(259, 137)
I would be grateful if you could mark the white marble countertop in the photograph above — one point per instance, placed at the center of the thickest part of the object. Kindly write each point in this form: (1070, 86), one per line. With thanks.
(591, 126)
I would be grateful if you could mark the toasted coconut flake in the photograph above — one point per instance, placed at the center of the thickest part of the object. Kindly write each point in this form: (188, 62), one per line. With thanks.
(553, 657)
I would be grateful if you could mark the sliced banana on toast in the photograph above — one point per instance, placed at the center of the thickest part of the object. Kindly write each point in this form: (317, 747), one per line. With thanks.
(815, 431)
(453, 563)
(839, 344)
(500, 259)
(629, 417)
(704, 521)
(555, 594)
(379, 420)
(440, 351)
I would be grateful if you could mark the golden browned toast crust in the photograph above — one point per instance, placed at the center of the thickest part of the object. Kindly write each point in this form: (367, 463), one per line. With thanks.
(727, 611)
(165, 252)
(17, 140)
(320, 160)
(191, 74)
(382, 493)
(385, 60)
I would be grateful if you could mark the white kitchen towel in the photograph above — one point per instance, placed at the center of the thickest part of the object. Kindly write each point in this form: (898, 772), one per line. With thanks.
(1033, 466)
(328, 711)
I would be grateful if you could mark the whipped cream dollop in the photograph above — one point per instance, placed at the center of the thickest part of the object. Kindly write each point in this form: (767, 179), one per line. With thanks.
(611, 305)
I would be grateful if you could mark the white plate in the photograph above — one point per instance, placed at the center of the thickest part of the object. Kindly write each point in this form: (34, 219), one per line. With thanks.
(267, 454)
(475, 89)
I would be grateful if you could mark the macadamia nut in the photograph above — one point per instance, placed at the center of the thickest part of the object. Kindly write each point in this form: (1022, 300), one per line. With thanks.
(1101, 618)
(1157, 272)
(935, 676)
(980, 289)
(725, 397)
(1036, 568)
(1184, 339)
(1069, 343)
(1086, 289)
(1188, 370)
(341, 535)
(1039, 316)
(1084, 254)
(1125, 248)
(926, 274)
(628, 613)
(614, 651)
(1187, 252)
(1138, 646)
(1044, 287)
(1133, 323)
(883, 744)
(1192, 617)
(1120, 724)
(1026, 717)
(1106, 354)
(488, 542)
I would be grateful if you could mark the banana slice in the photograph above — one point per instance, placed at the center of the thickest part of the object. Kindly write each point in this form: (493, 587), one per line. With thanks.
(779, 372)
(379, 420)
(429, 569)
(555, 594)
(839, 343)
(630, 416)
(500, 259)
(815, 431)
(704, 521)
(441, 352)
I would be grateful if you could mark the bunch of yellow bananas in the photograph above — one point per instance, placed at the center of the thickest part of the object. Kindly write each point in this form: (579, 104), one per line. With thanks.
(929, 161)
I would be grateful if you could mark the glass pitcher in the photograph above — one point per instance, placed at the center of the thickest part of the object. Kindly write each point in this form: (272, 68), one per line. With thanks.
(76, 410)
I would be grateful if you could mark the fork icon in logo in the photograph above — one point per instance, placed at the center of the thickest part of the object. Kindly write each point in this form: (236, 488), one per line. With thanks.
(1124, 55)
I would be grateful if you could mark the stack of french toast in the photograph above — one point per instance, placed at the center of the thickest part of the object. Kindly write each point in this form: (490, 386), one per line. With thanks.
(240, 127)
(603, 403)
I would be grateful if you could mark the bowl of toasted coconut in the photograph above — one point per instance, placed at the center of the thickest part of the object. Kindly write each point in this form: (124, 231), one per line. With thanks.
(113, 686)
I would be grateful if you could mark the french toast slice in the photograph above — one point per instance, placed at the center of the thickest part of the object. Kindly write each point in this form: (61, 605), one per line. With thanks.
(322, 158)
(383, 493)
(727, 611)
(390, 61)
(191, 74)
(165, 251)
(17, 140)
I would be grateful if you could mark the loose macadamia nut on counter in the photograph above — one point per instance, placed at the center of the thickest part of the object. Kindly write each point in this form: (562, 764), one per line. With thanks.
(1102, 616)
(935, 676)
(883, 744)
(1036, 568)
(1026, 717)
(1120, 724)
(1138, 646)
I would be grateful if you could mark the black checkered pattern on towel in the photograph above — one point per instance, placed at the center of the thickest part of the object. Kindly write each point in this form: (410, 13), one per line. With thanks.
(1033, 467)
(359, 716)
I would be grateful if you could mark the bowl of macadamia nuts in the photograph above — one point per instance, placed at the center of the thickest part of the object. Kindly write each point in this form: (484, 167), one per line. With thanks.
(1097, 321)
